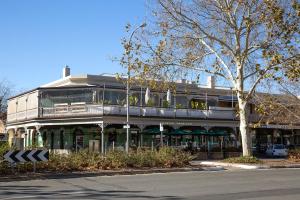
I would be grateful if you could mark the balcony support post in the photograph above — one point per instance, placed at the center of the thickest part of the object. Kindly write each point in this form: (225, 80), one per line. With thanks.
(102, 137)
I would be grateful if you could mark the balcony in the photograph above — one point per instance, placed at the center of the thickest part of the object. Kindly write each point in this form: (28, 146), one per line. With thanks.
(71, 111)
(23, 115)
(65, 110)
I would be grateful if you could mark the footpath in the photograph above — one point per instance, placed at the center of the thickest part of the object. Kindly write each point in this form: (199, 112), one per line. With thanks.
(265, 164)
(76, 174)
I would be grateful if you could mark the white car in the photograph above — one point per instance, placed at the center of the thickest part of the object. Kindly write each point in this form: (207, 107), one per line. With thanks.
(278, 150)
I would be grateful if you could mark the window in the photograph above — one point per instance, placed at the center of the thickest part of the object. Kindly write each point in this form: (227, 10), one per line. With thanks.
(51, 97)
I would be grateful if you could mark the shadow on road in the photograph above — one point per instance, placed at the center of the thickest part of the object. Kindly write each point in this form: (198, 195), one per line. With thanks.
(41, 192)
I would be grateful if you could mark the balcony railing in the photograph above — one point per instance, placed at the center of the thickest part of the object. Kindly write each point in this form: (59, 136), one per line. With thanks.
(83, 110)
(23, 115)
(69, 111)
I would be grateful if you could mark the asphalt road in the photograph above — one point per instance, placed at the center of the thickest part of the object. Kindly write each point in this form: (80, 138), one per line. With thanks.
(222, 185)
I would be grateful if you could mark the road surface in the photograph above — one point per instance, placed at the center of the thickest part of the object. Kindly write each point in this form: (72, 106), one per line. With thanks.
(276, 184)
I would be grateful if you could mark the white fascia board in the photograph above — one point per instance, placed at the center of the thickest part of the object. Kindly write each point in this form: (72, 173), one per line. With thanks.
(69, 80)
(41, 124)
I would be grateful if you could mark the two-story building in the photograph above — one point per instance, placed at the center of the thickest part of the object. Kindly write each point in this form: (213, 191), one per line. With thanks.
(77, 112)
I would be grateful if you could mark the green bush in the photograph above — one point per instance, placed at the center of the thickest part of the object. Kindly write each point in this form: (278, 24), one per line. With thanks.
(3, 148)
(165, 157)
(140, 158)
(244, 160)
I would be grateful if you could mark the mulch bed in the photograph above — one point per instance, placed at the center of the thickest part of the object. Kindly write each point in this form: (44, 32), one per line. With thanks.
(281, 163)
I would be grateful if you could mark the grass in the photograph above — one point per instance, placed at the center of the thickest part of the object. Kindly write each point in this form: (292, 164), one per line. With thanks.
(243, 160)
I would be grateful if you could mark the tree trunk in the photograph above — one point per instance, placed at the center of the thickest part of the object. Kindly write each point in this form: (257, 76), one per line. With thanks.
(244, 129)
(243, 112)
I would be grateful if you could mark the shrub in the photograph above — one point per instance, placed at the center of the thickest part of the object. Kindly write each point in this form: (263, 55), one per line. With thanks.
(115, 160)
(294, 155)
(141, 159)
(83, 160)
(3, 148)
(244, 160)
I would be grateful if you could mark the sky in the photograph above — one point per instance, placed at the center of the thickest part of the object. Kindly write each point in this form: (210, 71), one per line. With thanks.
(39, 37)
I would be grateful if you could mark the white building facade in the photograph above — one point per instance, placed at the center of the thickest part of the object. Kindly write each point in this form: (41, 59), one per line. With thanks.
(89, 111)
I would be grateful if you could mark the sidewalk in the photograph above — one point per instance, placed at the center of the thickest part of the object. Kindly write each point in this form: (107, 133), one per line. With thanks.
(266, 164)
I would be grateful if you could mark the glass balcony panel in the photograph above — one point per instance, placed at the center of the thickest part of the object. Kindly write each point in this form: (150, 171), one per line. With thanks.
(221, 113)
(50, 98)
(181, 102)
(181, 113)
(135, 111)
(150, 111)
(197, 113)
(115, 97)
(166, 112)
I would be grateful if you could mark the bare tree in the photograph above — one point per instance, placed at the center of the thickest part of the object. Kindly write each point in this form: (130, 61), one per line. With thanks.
(283, 107)
(5, 92)
(243, 42)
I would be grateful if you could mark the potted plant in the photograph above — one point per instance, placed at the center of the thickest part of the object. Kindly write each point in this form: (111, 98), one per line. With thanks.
(166, 104)
(133, 100)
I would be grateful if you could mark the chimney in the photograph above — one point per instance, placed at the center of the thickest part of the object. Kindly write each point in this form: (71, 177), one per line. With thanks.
(66, 71)
(211, 82)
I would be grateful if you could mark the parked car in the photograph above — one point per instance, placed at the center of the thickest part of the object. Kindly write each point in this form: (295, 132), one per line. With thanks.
(277, 150)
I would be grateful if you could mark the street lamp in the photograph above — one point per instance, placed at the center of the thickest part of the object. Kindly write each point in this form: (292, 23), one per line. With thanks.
(127, 90)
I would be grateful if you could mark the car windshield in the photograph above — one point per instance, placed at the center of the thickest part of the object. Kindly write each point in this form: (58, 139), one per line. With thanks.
(278, 146)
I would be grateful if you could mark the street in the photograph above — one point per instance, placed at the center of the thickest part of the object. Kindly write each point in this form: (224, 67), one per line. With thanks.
(218, 185)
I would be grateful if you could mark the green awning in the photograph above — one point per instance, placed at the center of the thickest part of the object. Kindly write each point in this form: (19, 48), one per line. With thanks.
(179, 132)
(151, 131)
(155, 131)
(217, 133)
(199, 132)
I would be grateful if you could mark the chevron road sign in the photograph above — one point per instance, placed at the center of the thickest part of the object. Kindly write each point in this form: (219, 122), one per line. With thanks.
(27, 156)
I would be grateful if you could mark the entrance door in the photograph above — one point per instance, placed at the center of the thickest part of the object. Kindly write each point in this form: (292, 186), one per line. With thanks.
(79, 142)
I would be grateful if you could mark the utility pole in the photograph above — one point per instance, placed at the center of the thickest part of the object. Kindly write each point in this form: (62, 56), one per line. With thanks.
(127, 90)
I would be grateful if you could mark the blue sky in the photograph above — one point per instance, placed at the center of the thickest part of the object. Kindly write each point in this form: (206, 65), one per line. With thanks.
(39, 37)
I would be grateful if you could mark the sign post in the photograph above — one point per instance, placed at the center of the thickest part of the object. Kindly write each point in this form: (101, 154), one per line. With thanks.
(161, 129)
